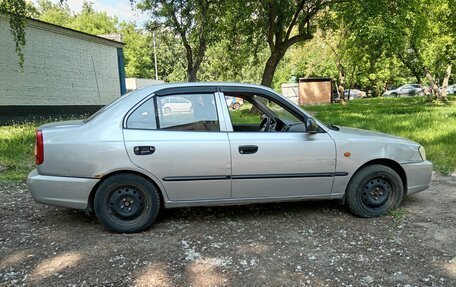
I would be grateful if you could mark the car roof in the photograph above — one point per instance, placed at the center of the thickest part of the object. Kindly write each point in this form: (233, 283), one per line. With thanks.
(154, 88)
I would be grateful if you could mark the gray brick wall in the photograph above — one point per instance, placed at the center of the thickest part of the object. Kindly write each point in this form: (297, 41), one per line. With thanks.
(58, 68)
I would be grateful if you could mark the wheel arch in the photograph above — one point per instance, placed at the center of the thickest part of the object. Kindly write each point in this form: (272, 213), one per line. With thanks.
(391, 164)
(114, 173)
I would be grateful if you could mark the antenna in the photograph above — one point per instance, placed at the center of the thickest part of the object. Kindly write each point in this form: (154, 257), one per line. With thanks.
(155, 56)
(96, 80)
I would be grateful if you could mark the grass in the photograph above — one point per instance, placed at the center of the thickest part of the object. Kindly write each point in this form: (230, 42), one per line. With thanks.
(430, 123)
(17, 144)
(397, 213)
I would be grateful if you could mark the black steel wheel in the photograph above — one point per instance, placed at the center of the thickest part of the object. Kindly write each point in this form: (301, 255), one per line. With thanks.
(373, 191)
(126, 203)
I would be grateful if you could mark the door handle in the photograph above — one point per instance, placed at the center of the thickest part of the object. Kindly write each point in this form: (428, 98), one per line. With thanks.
(248, 149)
(144, 150)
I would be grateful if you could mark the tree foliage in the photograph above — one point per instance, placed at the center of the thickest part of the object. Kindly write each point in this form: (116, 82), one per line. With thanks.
(194, 22)
(369, 44)
(16, 10)
(415, 32)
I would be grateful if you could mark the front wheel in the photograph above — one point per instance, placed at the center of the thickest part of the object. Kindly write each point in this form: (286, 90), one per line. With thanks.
(373, 191)
(126, 203)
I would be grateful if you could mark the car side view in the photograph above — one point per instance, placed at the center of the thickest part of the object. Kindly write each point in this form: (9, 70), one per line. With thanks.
(134, 157)
(408, 90)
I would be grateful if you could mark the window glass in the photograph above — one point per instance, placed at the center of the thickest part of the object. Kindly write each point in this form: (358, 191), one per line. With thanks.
(193, 112)
(281, 112)
(143, 117)
(247, 114)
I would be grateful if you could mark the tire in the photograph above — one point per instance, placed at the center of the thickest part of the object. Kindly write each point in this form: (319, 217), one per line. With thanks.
(373, 191)
(126, 203)
(236, 106)
(394, 95)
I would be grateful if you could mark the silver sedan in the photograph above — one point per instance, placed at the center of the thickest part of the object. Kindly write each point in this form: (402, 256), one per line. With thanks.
(138, 155)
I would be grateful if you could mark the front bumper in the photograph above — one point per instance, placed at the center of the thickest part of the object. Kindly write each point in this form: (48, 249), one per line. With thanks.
(70, 192)
(418, 175)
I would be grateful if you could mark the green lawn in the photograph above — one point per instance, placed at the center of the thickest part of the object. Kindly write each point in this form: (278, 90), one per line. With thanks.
(431, 124)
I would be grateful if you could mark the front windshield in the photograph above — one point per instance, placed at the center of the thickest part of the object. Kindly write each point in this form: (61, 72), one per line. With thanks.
(281, 113)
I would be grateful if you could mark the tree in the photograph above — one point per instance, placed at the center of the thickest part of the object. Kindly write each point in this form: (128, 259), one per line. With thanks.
(58, 14)
(280, 24)
(416, 32)
(193, 21)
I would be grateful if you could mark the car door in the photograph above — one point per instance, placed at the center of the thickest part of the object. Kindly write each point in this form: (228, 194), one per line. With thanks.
(185, 151)
(280, 164)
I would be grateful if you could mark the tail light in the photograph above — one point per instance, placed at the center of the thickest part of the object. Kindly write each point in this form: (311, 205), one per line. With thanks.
(39, 148)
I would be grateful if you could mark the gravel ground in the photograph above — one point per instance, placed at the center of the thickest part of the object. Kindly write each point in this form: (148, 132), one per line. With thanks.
(304, 244)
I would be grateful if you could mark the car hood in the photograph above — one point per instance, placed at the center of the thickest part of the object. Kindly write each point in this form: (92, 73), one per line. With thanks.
(360, 133)
(63, 124)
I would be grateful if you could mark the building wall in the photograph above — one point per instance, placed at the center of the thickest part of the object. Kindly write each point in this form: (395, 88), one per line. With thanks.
(314, 91)
(58, 69)
(136, 83)
(291, 91)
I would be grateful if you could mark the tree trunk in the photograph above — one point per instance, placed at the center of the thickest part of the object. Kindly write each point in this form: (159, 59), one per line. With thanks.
(435, 89)
(341, 88)
(191, 74)
(270, 68)
(445, 82)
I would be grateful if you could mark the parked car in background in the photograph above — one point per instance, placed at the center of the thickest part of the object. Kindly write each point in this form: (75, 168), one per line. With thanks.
(409, 90)
(234, 103)
(176, 104)
(351, 94)
(129, 160)
(451, 89)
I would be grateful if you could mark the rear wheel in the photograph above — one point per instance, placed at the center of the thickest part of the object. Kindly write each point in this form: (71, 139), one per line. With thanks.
(373, 191)
(126, 203)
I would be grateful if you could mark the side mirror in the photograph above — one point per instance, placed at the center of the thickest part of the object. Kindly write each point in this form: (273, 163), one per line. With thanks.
(311, 126)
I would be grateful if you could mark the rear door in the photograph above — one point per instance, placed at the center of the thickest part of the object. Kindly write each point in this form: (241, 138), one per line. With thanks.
(184, 149)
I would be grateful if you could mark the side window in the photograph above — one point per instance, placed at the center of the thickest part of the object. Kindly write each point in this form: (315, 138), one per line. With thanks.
(249, 111)
(192, 112)
(143, 117)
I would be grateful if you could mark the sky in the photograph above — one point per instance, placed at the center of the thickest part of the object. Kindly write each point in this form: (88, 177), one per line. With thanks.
(122, 9)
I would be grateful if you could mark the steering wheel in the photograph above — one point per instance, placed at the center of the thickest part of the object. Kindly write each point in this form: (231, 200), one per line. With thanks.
(265, 123)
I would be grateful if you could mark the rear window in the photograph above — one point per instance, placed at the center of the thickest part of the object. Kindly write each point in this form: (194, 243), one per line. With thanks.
(105, 108)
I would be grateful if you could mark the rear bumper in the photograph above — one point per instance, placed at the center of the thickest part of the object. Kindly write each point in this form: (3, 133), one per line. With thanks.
(418, 176)
(71, 192)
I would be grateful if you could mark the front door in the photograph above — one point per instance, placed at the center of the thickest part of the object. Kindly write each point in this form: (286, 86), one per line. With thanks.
(183, 148)
(274, 157)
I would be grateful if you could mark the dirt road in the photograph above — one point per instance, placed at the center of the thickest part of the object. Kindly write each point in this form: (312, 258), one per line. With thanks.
(305, 244)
